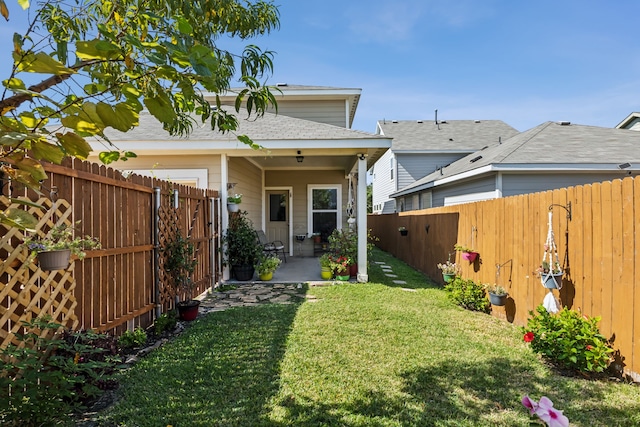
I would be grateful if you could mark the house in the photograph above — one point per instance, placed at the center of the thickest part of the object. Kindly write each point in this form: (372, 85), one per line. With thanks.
(549, 156)
(422, 146)
(305, 180)
(631, 122)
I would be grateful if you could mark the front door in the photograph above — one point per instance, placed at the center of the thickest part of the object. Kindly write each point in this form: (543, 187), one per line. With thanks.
(277, 217)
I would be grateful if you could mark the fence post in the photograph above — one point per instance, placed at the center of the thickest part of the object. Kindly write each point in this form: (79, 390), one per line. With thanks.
(156, 250)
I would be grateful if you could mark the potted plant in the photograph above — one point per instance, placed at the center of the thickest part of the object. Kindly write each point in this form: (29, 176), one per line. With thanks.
(233, 201)
(266, 266)
(325, 266)
(468, 254)
(497, 294)
(340, 266)
(241, 247)
(403, 231)
(54, 249)
(180, 263)
(316, 237)
(344, 243)
(449, 270)
(550, 276)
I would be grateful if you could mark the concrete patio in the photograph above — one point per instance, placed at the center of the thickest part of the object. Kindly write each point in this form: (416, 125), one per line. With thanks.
(296, 270)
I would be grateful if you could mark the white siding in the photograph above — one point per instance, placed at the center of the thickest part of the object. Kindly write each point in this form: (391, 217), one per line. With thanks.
(382, 184)
(467, 188)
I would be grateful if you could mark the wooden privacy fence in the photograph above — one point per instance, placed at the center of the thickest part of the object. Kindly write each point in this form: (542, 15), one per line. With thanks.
(597, 248)
(121, 285)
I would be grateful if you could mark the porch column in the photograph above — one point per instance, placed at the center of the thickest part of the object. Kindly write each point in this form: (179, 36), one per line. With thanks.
(361, 217)
(224, 181)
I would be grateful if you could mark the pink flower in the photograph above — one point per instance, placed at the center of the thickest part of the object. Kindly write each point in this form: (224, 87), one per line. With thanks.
(530, 404)
(547, 413)
(528, 337)
(589, 347)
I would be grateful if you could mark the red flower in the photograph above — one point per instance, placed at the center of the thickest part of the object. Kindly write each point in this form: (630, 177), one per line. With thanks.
(589, 347)
(528, 337)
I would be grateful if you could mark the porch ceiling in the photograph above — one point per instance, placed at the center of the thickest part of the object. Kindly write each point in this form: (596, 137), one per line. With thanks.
(312, 159)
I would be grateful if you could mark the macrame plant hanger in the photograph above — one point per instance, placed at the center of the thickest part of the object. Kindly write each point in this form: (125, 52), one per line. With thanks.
(350, 205)
(550, 255)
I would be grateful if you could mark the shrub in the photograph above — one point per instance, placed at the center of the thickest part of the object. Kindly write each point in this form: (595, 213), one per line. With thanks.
(568, 338)
(468, 294)
(135, 338)
(166, 322)
(46, 379)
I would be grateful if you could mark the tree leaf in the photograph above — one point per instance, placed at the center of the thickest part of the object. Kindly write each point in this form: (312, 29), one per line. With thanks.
(3, 10)
(107, 157)
(74, 145)
(160, 107)
(46, 151)
(33, 167)
(13, 83)
(97, 49)
(19, 219)
(41, 63)
(24, 4)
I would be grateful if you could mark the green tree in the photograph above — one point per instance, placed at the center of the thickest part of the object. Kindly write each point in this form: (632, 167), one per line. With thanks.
(100, 62)
(370, 198)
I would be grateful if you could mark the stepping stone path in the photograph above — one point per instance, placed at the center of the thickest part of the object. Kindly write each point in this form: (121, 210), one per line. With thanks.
(388, 271)
(252, 294)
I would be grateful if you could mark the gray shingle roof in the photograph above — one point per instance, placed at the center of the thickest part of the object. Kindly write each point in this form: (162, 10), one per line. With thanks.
(549, 144)
(271, 127)
(450, 135)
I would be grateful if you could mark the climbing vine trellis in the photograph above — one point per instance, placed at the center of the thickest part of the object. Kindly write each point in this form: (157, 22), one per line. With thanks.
(28, 292)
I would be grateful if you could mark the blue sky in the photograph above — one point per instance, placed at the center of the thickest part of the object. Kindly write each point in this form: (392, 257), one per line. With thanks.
(521, 62)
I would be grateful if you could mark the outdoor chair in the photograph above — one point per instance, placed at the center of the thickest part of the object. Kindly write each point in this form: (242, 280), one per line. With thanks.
(273, 248)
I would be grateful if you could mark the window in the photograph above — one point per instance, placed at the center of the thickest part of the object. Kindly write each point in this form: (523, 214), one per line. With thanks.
(391, 167)
(325, 204)
(277, 207)
(425, 200)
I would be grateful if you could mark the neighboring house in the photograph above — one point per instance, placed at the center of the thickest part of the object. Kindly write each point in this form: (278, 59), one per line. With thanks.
(420, 147)
(300, 183)
(549, 156)
(631, 122)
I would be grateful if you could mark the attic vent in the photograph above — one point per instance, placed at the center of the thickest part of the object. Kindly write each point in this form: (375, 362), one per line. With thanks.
(443, 121)
(624, 165)
(450, 139)
(476, 121)
(475, 159)
(419, 121)
(563, 123)
(282, 84)
(394, 121)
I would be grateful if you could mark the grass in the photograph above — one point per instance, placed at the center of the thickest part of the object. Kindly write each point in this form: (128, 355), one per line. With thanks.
(374, 354)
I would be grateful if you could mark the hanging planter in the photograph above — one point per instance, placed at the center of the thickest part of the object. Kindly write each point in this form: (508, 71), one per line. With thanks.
(552, 280)
(469, 256)
(54, 260)
(497, 295)
(549, 271)
(403, 231)
(233, 202)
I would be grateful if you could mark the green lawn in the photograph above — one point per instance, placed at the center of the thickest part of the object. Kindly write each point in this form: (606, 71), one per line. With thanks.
(371, 354)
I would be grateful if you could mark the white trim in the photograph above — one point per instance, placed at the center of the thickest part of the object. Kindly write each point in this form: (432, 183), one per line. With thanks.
(468, 198)
(200, 176)
(347, 110)
(290, 207)
(499, 185)
(224, 180)
(361, 216)
(338, 210)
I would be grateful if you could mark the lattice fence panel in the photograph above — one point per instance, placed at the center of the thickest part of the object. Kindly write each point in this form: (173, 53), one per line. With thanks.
(168, 218)
(27, 292)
